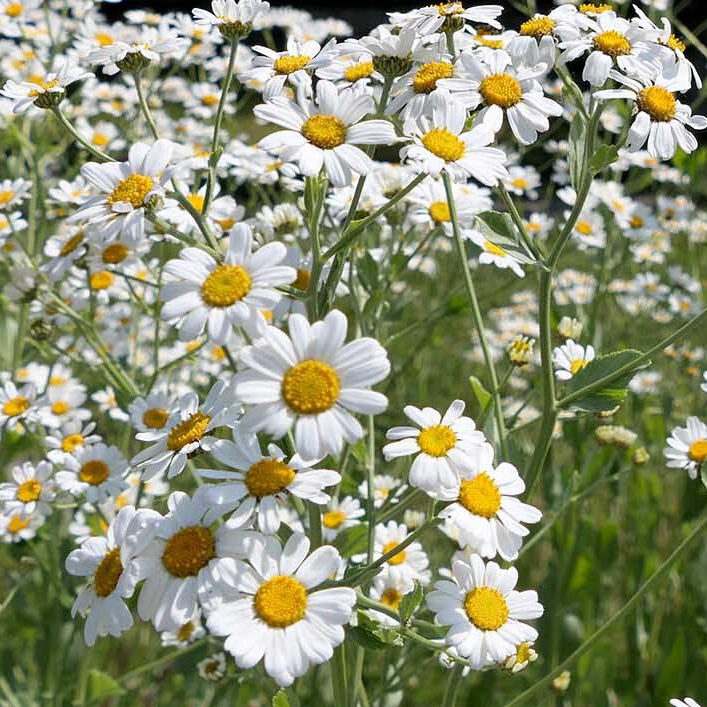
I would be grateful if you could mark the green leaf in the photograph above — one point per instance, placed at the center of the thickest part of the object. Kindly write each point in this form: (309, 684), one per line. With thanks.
(499, 223)
(352, 540)
(410, 602)
(365, 637)
(101, 686)
(498, 229)
(575, 154)
(483, 397)
(615, 393)
(281, 699)
(603, 157)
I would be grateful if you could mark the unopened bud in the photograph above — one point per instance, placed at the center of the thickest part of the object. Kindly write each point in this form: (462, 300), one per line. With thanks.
(569, 328)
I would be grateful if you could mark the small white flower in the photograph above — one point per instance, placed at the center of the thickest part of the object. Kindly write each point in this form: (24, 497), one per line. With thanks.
(188, 632)
(97, 472)
(151, 412)
(212, 668)
(411, 563)
(570, 358)
(687, 447)
(31, 489)
(340, 515)
(18, 405)
(493, 254)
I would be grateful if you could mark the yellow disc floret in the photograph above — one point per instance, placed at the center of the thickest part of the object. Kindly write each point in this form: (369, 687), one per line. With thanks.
(436, 440)
(188, 431)
(444, 144)
(698, 451)
(226, 285)
(311, 387)
(439, 212)
(286, 65)
(94, 472)
(359, 71)
(480, 496)
(108, 573)
(325, 131)
(658, 102)
(501, 90)
(399, 557)
(71, 442)
(131, 190)
(268, 477)
(537, 27)
(188, 551)
(427, 75)
(15, 406)
(486, 608)
(155, 418)
(29, 491)
(612, 43)
(333, 519)
(280, 601)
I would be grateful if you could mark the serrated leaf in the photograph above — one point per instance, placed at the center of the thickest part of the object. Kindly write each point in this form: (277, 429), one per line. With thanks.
(101, 686)
(410, 602)
(281, 699)
(365, 638)
(603, 157)
(615, 393)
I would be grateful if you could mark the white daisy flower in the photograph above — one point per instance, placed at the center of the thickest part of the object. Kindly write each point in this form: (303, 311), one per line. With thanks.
(219, 296)
(31, 489)
(386, 488)
(263, 482)
(188, 632)
(107, 561)
(442, 445)
(570, 358)
(484, 611)
(687, 447)
(62, 404)
(213, 668)
(440, 142)
(234, 18)
(313, 381)
(186, 432)
(447, 16)
(96, 472)
(13, 192)
(151, 412)
(660, 119)
(340, 515)
(182, 560)
(282, 618)
(535, 41)
(687, 702)
(389, 589)
(325, 132)
(488, 516)
(18, 404)
(410, 563)
(493, 254)
(17, 527)
(127, 189)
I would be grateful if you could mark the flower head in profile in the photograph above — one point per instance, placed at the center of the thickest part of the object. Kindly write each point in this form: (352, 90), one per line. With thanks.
(233, 18)
(570, 358)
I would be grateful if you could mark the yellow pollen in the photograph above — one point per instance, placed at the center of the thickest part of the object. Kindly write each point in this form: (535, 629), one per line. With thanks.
(210, 99)
(155, 418)
(29, 491)
(44, 85)
(185, 631)
(104, 39)
(17, 523)
(391, 597)
(14, 9)
(60, 407)
(501, 90)
(676, 44)
(225, 224)
(286, 65)
(188, 431)
(436, 440)
(523, 652)
(218, 353)
(537, 27)
(439, 211)
(226, 285)
(480, 496)
(280, 601)
(302, 280)
(15, 406)
(6, 196)
(658, 102)
(71, 442)
(333, 519)
(588, 7)
(396, 559)
(698, 451)
(584, 227)
(71, 245)
(612, 43)
(94, 472)
(196, 200)
(131, 190)
(359, 71)
(636, 222)
(100, 139)
(325, 131)
(311, 387)
(188, 551)
(444, 144)
(102, 280)
(427, 75)
(108, 573)
(491, 43)
(268, 477)
(58, 380)
(486, 608)
(577, 365)
(520, 183)
(115, 253)
(494, 249)
(450, 8)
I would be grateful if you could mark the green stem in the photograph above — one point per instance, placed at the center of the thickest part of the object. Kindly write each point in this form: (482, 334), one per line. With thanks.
(624, 611)
(476, 315)
(530, 245)
(370, 487)
(144, 107)
(164, 660)
(98, 154)
(452, 689)
(338, 675)
(315, 524)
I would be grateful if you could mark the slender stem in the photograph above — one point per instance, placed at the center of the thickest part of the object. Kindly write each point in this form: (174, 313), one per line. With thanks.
(144, 107)
(387, 83)
(476, 314)
(164, 660)
(338, 675)
(395, 509)
(315, 524)
(624, 611)
(98, 154)
(532, 247)
(453, 683)
(198, 217)
(370, 487)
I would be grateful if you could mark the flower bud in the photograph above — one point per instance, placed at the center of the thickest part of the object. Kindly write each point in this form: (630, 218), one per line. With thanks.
(569, 328)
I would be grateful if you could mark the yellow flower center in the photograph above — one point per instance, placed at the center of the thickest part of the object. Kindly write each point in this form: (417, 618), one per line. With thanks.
(520, 183)
(501, 90)
(71, 442)
(99, 139)
(612, 43)
(15, 406)
(14, 9)
(588, 7)
(226, 285)
(325, 131)
(71, 245)
(58, 380)
(132, 190)
(436, 440)
(494, 249)
(108, 573)
(577, 365)
(188, 431)
(676, 44)
(6, 196)
(333, 519)
(480, 496)
(115, 253)
(523, 652)
(391, 597)
(155, 418)
(636, 222)
(486, 608)
(185, 631)
(302, 280)
(188, 550)
(396, 559)
(491, 43)
(210, 99)
(104, 39)
(17, 523)
(427, 75)
(444, 144)
(658, 102)
(698, 451)
(537, 27)
(196, 200)
(29, 491)
(60, 407)
(268, 477)
(101, 280)
(281, 601)
(450, 8)
(94, 472)
(439, 211)
(358, 71)
(311, 387)
(286, 65)
(584, 227)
